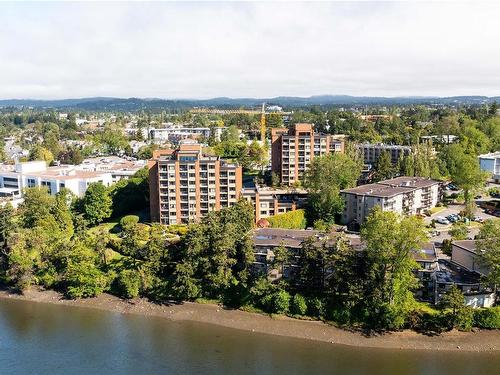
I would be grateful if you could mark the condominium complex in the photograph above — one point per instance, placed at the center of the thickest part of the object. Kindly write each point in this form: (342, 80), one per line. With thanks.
(404, 195)
(185, 184)
(293, 149)
(269, 201)
(371, 152)
(491, 163)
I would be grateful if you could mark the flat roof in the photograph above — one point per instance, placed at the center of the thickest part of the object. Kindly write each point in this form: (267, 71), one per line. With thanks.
(427, 252)
(450, 272)
(392, 187)
(406, 181)
(377, 190)
(6, 190)
(276, 236)
(491, 155)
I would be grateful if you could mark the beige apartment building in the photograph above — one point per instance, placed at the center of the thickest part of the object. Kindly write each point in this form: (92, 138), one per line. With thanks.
(404, 195)
(293, 149)
(186, 184)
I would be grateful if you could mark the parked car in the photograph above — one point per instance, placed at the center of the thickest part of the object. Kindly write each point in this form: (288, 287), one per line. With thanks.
(442, 220)
(453, 218)
(479, 219)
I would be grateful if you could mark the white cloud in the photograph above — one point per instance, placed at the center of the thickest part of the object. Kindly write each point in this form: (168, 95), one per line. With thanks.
(169, 50)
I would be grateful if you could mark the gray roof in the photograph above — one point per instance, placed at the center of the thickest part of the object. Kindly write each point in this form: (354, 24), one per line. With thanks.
(469, 245)
(426, 253)
(289, 237)
(450, 272)
(392, 187)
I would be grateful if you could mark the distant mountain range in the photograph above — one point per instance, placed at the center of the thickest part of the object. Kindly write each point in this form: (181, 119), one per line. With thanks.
(136, 104)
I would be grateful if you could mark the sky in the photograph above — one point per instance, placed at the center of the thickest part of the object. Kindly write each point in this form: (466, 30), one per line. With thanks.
(203, 50)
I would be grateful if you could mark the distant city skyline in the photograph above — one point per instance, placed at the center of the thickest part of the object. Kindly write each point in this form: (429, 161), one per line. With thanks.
(260, 50)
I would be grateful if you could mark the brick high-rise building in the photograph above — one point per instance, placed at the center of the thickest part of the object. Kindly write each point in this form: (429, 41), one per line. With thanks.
(293, 149)
(185, 184)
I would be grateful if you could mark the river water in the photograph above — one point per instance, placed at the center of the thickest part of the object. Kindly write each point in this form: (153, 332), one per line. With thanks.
(38, 338)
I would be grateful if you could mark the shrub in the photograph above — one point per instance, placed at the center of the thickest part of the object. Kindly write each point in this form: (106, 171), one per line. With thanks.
(316, 307)
(48, 277)
(85, 280)
(320, 224)
(341, 315)
(446, 247)
(261, 292)
(299, 305)
(290, 220)
(129, 220)
(426, 322)
(129, 283)
(281, 302)
(493, 192)
(465, 319)
(488, 318)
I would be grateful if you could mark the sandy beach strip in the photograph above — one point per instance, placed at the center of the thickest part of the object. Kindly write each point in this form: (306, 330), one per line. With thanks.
(478, 341)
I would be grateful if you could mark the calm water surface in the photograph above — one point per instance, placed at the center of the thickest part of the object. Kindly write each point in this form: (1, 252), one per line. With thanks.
(38, 338)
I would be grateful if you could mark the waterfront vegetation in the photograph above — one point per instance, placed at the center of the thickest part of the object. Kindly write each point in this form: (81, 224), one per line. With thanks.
(102, 242)
(63, 243)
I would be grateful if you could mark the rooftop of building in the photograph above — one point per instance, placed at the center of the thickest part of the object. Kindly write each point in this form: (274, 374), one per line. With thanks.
(294, 238)
(114, 163)
(289, 237)
(268, 190)
(58, 172)
(191, 149)
(392, 187)
(377, 190)
(469, 245)
(405, 181)
(450, 272)
(384, 145)
(426, 253)
(491, 155)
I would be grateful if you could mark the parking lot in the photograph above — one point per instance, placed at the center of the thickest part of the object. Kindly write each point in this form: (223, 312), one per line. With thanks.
(456, 209)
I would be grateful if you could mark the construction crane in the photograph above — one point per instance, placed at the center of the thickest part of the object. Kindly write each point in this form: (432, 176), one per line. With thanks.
(263, 124)
(262, 112)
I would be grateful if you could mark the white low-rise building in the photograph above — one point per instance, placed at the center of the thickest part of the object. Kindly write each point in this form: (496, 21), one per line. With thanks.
(176, 133)
(118, 167)
(15, 178)
(491, 163)
(404, 195)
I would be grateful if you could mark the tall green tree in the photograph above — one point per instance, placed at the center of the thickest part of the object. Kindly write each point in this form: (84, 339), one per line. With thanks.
(36, 207)
(390, 240)
(465, 172)
(384, 168)
(327, 175)
(488, 244)
(40, 153)
(458, 231)
(96, 204)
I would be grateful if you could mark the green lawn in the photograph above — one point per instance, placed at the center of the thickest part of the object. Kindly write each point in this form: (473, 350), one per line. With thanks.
(435, 210)
(426, 307)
